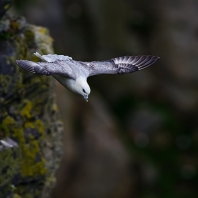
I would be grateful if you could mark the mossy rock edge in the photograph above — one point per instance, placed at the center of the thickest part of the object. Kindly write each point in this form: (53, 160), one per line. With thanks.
(28, 114)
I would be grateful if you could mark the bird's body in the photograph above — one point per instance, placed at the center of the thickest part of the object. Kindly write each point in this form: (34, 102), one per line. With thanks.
(73, 74)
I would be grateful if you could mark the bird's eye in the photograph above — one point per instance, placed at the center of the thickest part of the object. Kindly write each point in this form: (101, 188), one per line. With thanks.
(84, 91)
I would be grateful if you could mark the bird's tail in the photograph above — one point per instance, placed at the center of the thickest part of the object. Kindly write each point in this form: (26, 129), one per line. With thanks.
(39, 56)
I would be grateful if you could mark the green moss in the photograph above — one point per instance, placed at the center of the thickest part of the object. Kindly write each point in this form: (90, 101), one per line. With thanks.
(7, 124)
(26, 111)
(9, 168)
(26, 116)
(40, 126)
(30, 166)
(16, 196)
(5, 35)
(5, 7)
(29, 36)
(5, 83)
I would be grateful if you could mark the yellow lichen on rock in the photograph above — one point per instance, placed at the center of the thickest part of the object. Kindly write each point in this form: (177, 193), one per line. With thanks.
(27, 113)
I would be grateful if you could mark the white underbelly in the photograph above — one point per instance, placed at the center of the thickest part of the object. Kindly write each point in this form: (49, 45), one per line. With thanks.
(66, 82)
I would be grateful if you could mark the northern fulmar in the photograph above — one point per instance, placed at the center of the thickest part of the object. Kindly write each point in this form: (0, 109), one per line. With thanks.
(73, 74)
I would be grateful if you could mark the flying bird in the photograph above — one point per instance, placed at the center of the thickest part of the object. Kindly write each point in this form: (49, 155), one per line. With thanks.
(73, 74)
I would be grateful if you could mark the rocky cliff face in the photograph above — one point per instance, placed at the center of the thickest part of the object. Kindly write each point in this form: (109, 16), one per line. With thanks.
(150, 115)
(30, 128)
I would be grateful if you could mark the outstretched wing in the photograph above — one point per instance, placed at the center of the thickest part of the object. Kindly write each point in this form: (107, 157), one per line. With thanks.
(53, 65)
(45, 68)
(121, 65)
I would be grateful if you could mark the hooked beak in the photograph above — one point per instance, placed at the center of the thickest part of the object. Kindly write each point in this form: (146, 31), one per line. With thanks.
(86, 98)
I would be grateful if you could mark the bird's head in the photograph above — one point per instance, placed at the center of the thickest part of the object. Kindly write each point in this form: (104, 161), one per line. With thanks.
(83, 88)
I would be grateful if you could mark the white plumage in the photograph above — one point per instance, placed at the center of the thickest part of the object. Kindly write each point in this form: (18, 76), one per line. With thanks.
(73, 74)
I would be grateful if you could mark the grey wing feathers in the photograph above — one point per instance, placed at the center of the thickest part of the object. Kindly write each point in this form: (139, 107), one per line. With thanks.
(46, 68)
(128, 64)
(32, 67)
(25, 65)
(122, 65)
(50, 58)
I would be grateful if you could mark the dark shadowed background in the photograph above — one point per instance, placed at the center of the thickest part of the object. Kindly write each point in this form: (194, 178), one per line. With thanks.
(138, 135)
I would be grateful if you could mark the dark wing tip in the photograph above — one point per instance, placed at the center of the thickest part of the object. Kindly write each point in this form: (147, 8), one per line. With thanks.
(26, 65)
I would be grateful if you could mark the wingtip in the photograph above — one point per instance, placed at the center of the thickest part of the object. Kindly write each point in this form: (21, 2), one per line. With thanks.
(157, 58)
(26, 65)
(147, 60)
